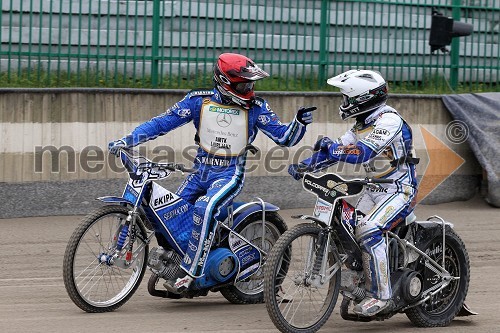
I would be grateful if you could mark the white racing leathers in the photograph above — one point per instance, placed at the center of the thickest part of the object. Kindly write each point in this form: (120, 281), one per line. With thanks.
(384, 145)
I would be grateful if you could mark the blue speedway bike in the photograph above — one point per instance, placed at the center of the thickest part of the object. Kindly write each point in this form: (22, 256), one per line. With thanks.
(107, 255)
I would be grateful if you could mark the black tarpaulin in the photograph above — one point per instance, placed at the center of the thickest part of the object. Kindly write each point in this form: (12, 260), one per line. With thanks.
(481, 114)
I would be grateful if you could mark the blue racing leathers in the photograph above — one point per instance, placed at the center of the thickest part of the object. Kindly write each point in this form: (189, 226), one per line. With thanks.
(222, 133)
(384, 145)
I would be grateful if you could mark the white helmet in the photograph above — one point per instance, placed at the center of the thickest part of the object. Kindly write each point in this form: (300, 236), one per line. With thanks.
(363, 91)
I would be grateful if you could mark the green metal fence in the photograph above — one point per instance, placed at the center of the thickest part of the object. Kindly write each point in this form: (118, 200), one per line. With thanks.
(173, 44)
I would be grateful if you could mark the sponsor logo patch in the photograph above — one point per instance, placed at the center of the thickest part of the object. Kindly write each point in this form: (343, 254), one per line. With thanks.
(340, 187)
(235, 242)
(317, 186)
(192, 247)
(195, 234)
(215, 161)
(163, 200)
(388, 211)
(264, 120)
(187, 260)
(197, 219)
(206, 248)
(201, 92)
(175, 212)
(380, 131)
(184, 113)
(347, 150)
(219, 109)
(224, 120)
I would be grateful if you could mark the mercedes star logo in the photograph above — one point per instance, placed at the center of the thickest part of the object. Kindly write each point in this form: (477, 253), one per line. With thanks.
(224, 120)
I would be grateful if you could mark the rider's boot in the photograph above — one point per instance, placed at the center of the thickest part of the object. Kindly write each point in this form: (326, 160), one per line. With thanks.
(179, 282)
(370, 306)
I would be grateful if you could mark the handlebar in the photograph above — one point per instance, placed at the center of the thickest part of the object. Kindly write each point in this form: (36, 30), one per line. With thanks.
(369, 181)
(147, 164)
(168, 166)
(182, 168)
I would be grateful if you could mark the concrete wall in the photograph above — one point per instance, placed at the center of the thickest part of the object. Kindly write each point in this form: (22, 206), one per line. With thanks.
(54, 160)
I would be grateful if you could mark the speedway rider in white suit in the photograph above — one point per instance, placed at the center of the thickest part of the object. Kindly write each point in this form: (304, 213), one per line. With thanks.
(382, 141)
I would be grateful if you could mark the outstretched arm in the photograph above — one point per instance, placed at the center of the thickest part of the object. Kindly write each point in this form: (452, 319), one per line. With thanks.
(348, 149)
(284, 135)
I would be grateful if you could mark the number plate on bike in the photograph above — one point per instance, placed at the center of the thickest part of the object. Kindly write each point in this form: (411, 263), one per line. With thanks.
(329, 187)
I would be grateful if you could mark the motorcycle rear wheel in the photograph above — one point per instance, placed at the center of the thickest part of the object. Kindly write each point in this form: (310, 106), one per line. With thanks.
(250, 291)
(93, 284)
(440, 310)
(294, 304)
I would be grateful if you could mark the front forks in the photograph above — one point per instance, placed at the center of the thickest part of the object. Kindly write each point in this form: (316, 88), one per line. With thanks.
(116, 256)
(318, 255)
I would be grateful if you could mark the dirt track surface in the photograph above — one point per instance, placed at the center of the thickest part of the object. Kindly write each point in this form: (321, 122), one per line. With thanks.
(33, 298)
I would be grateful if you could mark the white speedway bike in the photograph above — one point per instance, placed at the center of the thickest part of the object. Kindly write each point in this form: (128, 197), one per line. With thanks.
(312, 263)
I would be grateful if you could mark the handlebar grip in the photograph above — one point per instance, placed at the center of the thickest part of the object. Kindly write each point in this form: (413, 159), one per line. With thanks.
(182, 168)
(170, 167)
(381, 181)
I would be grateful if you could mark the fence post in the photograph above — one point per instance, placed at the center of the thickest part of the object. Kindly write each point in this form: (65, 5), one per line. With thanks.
(455, 47)
(323, 45)
(155, 43)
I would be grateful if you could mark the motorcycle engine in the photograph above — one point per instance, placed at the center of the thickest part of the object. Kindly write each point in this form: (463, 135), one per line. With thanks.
(164, 263)
(220, 267)
(407, 287)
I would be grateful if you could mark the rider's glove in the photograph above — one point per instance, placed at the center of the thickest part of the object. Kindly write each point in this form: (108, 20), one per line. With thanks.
(114, 146)
(304, 115)
(323, 144)
(297, 170)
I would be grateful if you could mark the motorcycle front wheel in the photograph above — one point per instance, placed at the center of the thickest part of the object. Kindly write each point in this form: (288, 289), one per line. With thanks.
(298, 300)
(97, 278)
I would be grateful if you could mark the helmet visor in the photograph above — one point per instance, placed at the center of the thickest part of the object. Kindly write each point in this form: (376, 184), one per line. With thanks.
(244, 87)
(345, 101)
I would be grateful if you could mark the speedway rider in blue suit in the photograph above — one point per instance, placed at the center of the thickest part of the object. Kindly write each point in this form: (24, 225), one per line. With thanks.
(382, 141)
(227, 119)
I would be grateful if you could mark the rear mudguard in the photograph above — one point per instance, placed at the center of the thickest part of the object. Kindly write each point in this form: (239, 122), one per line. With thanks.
(247, 209)
(428, 230)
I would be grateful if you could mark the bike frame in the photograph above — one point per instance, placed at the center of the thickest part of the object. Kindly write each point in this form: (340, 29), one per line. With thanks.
(330, 191)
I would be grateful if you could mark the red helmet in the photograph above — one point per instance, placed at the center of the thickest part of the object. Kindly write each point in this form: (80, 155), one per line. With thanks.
(234, 77)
